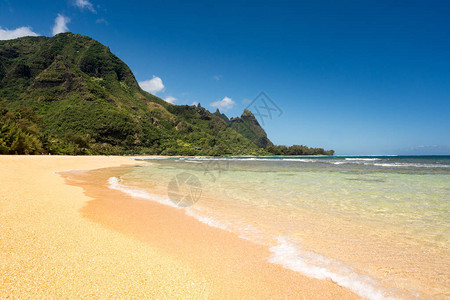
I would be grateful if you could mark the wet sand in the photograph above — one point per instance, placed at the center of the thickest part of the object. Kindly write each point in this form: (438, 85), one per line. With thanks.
(85, 240)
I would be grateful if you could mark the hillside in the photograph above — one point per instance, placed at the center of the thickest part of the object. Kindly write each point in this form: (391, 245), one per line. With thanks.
(69, 94)
(248, 126)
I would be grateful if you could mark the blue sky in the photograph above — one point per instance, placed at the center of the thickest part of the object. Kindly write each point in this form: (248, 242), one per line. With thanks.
(360, 77)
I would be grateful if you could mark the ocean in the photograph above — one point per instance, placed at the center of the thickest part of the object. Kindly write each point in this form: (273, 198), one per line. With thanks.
(377, 225)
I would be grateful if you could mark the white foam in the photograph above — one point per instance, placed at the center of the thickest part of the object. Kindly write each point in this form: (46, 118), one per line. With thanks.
(411, 165)
(371, 162)
(363, 159)
(206, 220)
(320, 267)
(249, 233)
(285, 253)
(300, 159)
(207, 158)
(115, 184)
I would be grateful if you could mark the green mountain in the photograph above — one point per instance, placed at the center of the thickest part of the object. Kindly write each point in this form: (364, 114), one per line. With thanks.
(248, 126)
(69, 94)
(81, 98)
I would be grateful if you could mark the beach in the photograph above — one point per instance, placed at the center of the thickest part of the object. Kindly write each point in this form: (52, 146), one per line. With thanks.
(377, 226)
(60, 240)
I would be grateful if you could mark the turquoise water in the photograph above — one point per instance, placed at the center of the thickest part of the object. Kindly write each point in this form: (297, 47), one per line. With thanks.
(377, 225)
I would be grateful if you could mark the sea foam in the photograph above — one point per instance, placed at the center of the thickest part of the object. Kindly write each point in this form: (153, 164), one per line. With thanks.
(290, 256)
(363, 159)
(286, 253)
(206, 220)
(114, 183)
(418, 165)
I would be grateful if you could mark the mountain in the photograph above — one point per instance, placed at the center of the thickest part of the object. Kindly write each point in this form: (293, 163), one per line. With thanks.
(69, 94)
(81, 98)
(248, 126)
(222, 115)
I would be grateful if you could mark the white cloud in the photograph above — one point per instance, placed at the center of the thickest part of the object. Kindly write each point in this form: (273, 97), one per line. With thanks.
(60, 24)
(102, 21)
(246, 101)
(194, 103)
(217, 77)
(6, 34)
(85, 4)
(153, 85)
(170, 99)
(224, 104)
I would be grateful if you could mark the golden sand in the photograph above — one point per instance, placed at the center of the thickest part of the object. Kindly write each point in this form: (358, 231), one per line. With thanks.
(59, 240)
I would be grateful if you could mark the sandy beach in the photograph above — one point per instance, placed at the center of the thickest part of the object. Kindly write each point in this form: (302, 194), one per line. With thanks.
(58, 239)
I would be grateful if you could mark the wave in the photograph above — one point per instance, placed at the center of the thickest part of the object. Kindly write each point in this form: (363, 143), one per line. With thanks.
(375, 162)
(396, 165)
(207, 158)
(149, 157)
(301, 159)
(285, 253)
(308, 160)
(362, 159)
(387, 164)
(317, 266)
(206, 220)
(349, 161)
(114, 183)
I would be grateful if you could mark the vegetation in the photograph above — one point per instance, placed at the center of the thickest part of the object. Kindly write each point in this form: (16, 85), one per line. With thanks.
(19, 132)
(248, 126)
(297, 150)
(70, 95)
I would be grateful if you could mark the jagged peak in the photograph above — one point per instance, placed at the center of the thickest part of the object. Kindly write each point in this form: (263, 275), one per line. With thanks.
(112, 111)
(221, 115)
(247, 113)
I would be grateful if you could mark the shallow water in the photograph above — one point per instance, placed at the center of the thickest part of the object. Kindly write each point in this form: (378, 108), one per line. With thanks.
(379, 226)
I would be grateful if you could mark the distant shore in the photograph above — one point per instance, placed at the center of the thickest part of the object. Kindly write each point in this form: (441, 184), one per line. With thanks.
(60, 240)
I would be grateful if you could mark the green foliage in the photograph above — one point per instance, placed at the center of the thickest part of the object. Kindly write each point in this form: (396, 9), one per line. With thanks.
(70, 95)
(248, 126)
(297, 150)
(19, 134)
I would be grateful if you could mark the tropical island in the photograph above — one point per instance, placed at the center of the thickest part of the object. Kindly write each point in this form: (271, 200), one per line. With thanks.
(115, 182)
(68, 94)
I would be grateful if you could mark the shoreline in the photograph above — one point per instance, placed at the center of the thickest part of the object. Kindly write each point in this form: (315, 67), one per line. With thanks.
(229, 260)
(50, 249)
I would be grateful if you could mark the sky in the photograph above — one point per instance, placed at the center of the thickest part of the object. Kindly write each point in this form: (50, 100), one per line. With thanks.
(359, 77)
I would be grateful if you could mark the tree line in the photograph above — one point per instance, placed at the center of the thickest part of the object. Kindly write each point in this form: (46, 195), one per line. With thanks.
(21, 133)
(297, 150)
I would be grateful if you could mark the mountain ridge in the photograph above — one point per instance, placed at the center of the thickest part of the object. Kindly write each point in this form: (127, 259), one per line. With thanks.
(68, 94)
